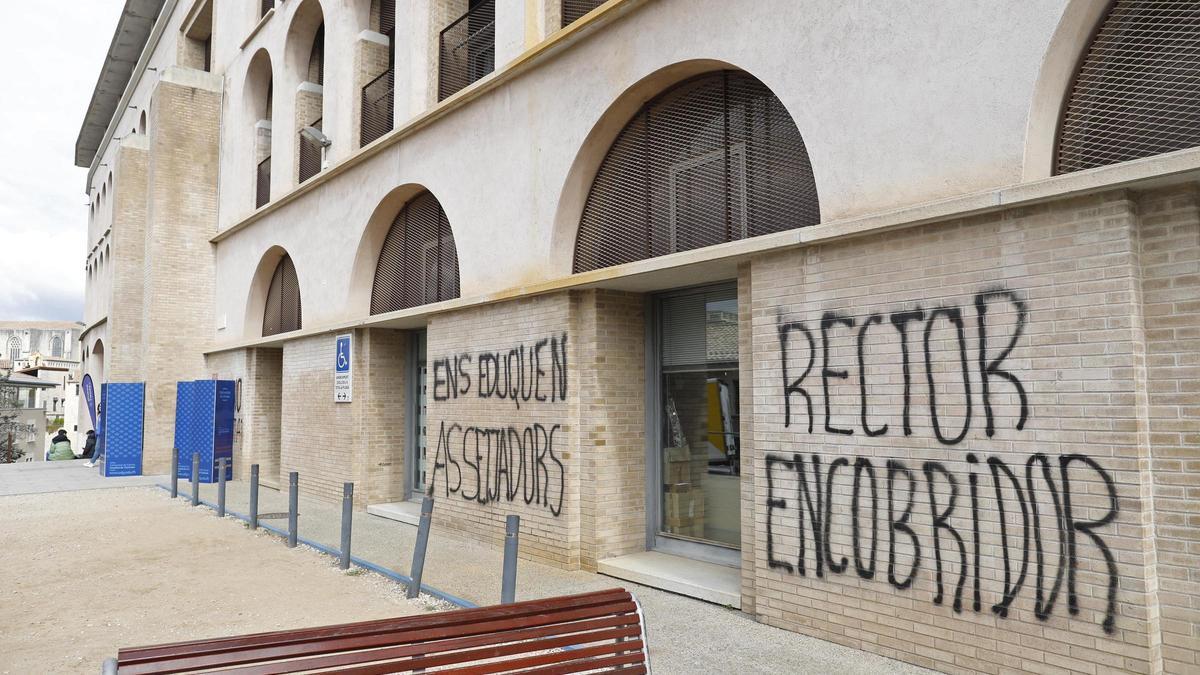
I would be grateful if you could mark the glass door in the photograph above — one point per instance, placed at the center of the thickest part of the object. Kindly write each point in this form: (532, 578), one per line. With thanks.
(698, 438)
(416, 435)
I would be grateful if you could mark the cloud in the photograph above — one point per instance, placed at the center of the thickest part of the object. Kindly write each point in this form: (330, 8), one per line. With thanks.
(49, 68)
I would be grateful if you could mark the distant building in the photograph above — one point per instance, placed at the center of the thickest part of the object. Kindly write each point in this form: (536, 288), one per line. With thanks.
(21, 421)
(27, 344)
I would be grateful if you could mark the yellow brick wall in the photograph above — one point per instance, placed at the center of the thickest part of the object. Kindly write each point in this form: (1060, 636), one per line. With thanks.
(177, 316)
(1070, 270)
(1170, 264)
(527, 448)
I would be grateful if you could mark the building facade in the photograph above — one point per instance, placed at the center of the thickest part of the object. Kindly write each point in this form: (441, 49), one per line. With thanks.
(891, 318)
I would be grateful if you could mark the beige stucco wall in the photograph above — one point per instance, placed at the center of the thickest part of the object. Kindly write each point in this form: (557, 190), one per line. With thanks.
(957, 112)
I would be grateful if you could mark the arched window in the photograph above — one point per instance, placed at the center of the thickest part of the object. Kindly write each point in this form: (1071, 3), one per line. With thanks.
(142, 123)
(282, 313)
(714, 159)
(56, 345)
(14, 350)
(419, 262)
(1137, 92)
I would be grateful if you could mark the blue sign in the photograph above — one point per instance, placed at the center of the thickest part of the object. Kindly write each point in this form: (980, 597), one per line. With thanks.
(89, 395)
(204, 419)
(121, 419)
(343, 374)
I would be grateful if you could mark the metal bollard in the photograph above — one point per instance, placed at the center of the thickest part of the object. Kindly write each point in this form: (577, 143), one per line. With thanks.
(254, 496)
(293, 506)
(221, 487)
(508, 583)
(195, 479)
(109, 667)
(418, 563)
(174, 473)
(347, 521)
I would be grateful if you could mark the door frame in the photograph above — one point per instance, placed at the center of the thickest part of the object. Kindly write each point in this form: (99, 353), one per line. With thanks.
(656, 540)
(412, 411)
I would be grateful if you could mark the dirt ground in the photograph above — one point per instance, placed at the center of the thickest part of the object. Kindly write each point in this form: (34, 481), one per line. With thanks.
(82, 574)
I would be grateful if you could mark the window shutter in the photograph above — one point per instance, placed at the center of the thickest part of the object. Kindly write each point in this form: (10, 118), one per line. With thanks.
(282, 313)
(419, 261)
(714, 159)
(1137, 92)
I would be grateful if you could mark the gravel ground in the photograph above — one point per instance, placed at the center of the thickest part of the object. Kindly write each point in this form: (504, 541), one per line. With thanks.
(88, 573)
(685, 635)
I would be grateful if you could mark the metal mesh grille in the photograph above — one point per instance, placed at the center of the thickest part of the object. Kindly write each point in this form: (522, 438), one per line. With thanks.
(316, 58)
(573, 10)
(714, 159)
(1137, 92)
(282, 312)
(310, 155)
(419, 262)
(467, 49)
(377, 107)
(265, 6)
(262, 187)
(387, 16)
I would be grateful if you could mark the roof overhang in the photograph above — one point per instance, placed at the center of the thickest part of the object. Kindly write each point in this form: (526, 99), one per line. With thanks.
(129, 39)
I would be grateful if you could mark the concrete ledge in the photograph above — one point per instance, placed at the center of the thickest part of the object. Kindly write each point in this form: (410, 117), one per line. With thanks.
(404, 512)
(694, 578)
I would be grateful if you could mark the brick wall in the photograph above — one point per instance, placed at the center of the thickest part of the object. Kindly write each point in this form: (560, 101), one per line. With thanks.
(178, 276)
(610, 344)
(527, 448)
(128, 260)
(331, 443)
(961, 466)
(1170, 265)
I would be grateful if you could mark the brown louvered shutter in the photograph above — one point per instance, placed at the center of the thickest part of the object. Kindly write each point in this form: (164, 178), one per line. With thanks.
(419, 262)
(310, 154)
(316, 58)
(573, 10)
(715, 159)
(1137, 93)
(282, 313)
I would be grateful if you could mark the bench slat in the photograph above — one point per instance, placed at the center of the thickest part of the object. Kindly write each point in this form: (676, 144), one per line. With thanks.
(601, 630)
(495, 652)
(457, 617)
(580, 632)
(559, 658)
(210, 659)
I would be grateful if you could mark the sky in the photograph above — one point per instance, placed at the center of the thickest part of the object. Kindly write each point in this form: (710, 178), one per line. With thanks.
(49, 61)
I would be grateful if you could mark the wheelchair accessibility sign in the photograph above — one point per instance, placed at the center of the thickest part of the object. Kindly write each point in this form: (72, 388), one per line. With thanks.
(343, 374)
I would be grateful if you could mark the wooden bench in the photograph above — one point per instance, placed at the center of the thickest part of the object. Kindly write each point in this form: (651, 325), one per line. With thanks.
(592, 632)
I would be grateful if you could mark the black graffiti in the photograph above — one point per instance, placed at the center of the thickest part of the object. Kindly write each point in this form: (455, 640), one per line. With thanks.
(501, 464)
(521, 374)
(800, 491)
(990, 366)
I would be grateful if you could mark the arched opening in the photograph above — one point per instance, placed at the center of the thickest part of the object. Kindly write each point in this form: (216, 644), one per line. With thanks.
(96, 363)
(714, 158)
(1135, 93)
(257, 100)
(418, 262)
(306, 54)
(56, 347)
(14, 351)
(281, 311)
(141, 128)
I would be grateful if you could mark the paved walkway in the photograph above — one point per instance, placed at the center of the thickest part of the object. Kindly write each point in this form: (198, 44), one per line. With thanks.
(23, 478)
(685, 635)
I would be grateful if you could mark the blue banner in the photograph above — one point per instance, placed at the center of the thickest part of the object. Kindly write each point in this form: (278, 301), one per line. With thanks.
(89, 396)
(121, 419)
(204, 421)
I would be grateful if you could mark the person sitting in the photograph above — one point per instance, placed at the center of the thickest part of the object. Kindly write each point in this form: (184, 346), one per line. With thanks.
(60, 447)
(89, 445)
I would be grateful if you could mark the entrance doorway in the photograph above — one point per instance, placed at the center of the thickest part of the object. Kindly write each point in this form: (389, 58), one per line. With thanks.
(695, 451)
